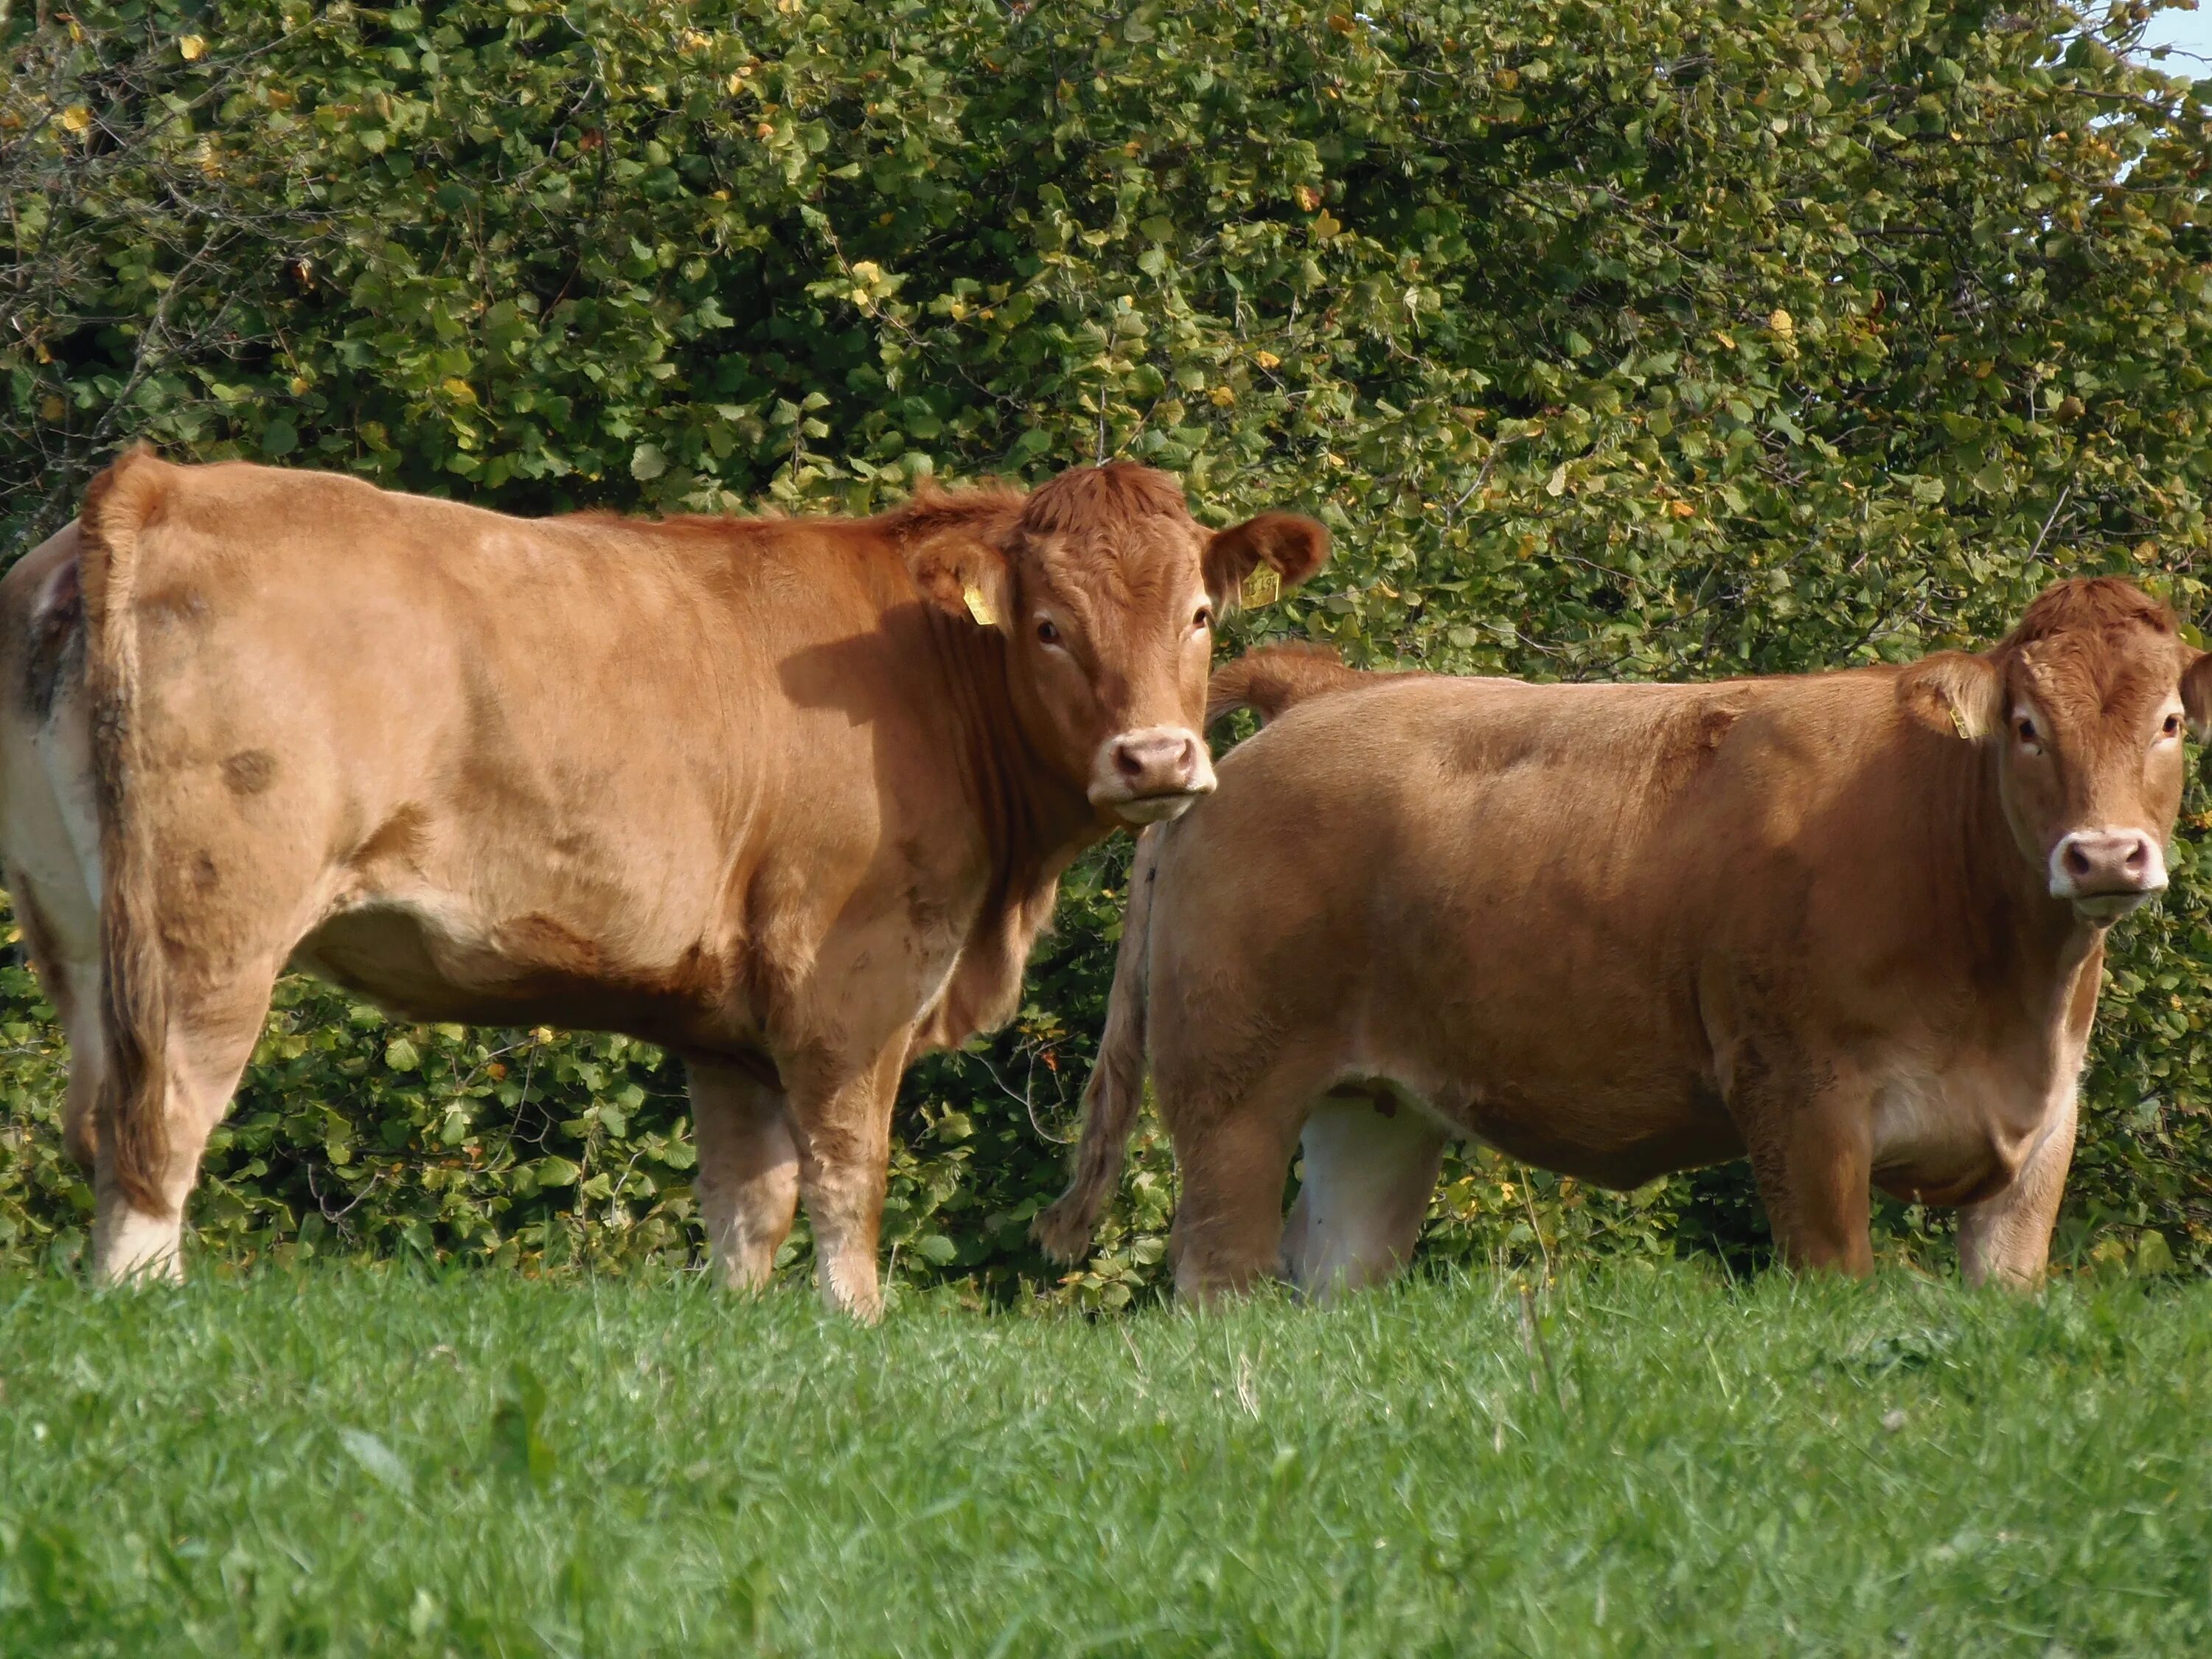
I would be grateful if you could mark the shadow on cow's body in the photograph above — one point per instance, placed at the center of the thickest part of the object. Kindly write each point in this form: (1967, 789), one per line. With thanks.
(790, 796)
(1851, 925)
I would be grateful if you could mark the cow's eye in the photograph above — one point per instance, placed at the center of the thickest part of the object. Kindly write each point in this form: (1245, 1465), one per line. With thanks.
(2173, 726)
(1204, 618)
(2027, 734)
(1048, 634)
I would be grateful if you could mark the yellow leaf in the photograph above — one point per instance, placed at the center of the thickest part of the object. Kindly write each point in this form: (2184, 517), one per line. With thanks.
(299, 384)
(1682, 509)
(1327, 225)
(1725, 339)
(76, 118)
(1267, 360)
(1508, 79)
(460, 390)
(193, 46)
(1222, 397)
(51, 409)
(1557, 483)
(1783, 324)
(1309, 197)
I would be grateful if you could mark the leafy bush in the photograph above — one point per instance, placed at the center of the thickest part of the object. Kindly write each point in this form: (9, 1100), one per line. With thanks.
(1675, 338)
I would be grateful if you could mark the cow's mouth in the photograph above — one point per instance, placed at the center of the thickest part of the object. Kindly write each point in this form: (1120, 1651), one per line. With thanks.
(1155, 809)
(2102, 908)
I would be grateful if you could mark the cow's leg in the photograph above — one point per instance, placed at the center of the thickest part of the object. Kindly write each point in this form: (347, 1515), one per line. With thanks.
(748, 1170)
(2006, 1238)
(210, 1035)
(842, 1117)
(1228, 1231)
(61, 934)
(1370, 1166)
(1812, 1151)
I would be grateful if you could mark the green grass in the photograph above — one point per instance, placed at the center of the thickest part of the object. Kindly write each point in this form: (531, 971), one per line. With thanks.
(358, 1462)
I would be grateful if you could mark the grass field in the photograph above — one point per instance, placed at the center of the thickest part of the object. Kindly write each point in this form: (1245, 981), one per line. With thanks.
(356, 1462)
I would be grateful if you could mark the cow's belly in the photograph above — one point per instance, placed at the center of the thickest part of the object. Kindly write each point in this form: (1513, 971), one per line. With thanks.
(428, 961)
(1614, 1130)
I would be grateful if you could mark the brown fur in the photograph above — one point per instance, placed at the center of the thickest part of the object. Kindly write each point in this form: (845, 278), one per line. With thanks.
(1620, 931)
(764, 791)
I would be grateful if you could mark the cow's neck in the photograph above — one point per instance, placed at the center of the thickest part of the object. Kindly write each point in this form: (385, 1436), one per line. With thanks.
(1031, 823)
(2023, 934)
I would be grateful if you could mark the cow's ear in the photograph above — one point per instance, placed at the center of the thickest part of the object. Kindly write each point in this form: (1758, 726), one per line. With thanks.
(962, 574)
(1292, 546)
(1954, 692)
(2196, 693)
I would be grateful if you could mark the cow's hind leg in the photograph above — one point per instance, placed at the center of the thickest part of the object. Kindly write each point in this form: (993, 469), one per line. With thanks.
(748, 1170)
(61, 933)
(211, 1032)
(1370, 1166)
(1233, 1161)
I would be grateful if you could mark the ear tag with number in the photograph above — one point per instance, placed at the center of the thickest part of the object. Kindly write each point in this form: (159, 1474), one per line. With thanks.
(979, 607)
(1261, 588)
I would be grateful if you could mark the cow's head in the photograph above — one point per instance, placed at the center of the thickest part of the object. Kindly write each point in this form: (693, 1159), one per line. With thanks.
(1108, 591)
(2084, 705)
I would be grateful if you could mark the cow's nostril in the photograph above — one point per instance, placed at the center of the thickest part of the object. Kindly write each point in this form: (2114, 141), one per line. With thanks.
(2077, 861)
(2138, 855)
(1127, 761)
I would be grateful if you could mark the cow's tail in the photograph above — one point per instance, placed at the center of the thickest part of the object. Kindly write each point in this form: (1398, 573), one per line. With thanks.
(1116, 1088)
(134, 991)
(1269, 680)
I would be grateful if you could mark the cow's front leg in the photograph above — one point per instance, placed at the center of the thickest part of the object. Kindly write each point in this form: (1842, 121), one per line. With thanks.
(2006, 1238)
(842, 1117)
(748, 1170)
(1812, 1151)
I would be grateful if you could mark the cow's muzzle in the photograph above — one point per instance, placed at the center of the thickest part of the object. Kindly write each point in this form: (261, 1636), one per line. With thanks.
(1151, 774)
(2106, 874)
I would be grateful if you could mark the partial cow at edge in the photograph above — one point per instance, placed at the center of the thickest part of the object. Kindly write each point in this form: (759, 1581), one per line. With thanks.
(1851, 925)
(790, 796)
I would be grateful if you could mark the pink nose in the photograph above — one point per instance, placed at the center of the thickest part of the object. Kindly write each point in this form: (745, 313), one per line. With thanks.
(2105, 863)
(1156, 762)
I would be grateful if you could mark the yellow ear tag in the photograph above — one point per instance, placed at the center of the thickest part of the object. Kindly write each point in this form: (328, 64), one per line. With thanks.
(1261, 588)
(979, 607)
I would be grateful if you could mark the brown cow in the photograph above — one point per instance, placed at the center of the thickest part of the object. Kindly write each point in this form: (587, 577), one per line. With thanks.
(789, 797)
(1850, 924)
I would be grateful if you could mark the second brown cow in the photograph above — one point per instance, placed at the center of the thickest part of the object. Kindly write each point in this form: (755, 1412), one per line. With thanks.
(1852, 924)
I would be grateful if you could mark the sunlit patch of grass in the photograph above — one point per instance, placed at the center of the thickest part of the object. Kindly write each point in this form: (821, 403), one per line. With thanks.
(1644, 1461)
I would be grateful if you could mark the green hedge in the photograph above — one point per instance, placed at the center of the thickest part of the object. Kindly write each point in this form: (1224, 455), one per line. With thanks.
(1667, 338)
